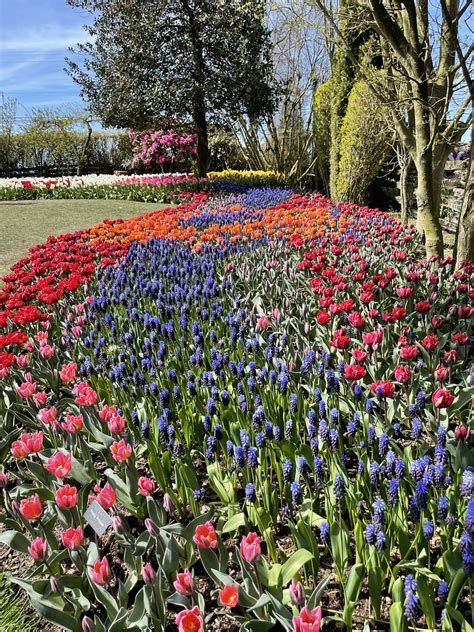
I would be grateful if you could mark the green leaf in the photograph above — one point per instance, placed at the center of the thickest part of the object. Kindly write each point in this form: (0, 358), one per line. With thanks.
(459, 618)
(234, 523)
(456, 586)
(293, 564)
(340, 546)
(397, 620)
(210, 562)
(106, 599)
(425, 596)
(58, 617)
(16, 541)
(317, 593)
(255, 625)
(375, 579)
(171, 557)
(118, 624)
(79, 472)
(354, 582)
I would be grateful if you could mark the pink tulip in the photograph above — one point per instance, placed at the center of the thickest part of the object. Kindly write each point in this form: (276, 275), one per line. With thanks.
(250, 548)
(38, 549)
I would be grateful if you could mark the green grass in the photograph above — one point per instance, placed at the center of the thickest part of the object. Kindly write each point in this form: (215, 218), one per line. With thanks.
(15, 614)
(27, 223)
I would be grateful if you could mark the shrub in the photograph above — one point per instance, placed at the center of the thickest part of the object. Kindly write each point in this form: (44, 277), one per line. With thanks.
(363, 144)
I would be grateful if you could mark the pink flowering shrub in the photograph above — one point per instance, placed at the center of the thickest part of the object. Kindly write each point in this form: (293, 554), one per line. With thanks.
(161, 148)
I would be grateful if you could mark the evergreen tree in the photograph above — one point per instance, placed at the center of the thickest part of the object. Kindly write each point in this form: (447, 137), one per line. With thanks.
(198, 60)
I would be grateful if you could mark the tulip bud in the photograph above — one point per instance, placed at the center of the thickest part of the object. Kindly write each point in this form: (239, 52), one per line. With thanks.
(118, 525)
(152, 528)
(3, 479)
(88, 625)
(15, 508)
(461, 433)
(149, 575)
(168, 503)
(55, 585)
(297, 595)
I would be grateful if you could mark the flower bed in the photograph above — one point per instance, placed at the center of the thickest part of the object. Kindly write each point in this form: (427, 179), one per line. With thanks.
(146, 188)
(270, 399)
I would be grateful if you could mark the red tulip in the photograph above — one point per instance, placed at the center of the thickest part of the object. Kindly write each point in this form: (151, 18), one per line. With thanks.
(229, 596)
(84, 394)
(68, 372)
(430, 342)
(402, 373)
(59, 464)
(116, 424)
(66, 497)
(190, 620)
(461, 433)
(184, 583)
(383, 388)
(100, 572)
(262, 322)
(146, 486)
(409, 352)
(72, 538)
(149, 575)
(354, 371)
(106, 496)
(441, 372)
(73, 423)
(121, 450)
(322, 317)
(31, 508)
(442, 398)
(205, 536)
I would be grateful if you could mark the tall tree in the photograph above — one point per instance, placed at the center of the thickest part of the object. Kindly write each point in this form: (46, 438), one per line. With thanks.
(180, 59)
(423, 53)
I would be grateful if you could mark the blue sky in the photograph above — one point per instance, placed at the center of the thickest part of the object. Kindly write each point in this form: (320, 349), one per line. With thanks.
(34, 39)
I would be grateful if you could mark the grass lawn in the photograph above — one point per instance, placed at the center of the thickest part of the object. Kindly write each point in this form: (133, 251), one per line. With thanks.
(30, 222)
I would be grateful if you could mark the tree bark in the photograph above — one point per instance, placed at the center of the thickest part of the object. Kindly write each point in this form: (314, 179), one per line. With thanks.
(427, 213)
(406, 189)
(464, 244)
(203, 154)
(199, 103)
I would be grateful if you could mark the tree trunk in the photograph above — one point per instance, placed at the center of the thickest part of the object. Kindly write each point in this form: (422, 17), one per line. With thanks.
(203, 154)
(406, 189)
(464, 244)
(427, 211)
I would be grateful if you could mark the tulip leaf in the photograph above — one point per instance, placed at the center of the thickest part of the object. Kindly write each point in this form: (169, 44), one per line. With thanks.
(317, 593)
(257, 626)
(293, 564)
(16, 541)
(234, 523)
(58, 617)
(118, 624)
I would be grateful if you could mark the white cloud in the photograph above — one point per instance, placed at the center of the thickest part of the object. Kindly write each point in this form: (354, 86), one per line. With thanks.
(11, 70)
(43, 39)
